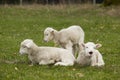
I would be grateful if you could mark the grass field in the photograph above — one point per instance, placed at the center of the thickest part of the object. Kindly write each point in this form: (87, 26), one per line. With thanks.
(101, 25)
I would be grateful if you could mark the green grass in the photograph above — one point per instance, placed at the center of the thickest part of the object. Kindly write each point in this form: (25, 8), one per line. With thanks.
(101, 25)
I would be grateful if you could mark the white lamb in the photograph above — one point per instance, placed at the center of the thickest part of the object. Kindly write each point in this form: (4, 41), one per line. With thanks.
(46, 55)
(90, 55)
(68, 38)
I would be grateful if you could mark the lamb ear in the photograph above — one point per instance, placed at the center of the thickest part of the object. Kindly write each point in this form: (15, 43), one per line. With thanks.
(28, 45)
(98, 45)
(52, 32)
(82, 45)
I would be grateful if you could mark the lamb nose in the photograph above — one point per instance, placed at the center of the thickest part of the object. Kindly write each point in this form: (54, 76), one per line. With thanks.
(91, 52)
(45, 40)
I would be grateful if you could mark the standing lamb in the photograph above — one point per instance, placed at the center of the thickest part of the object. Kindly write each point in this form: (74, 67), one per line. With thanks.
(68, 38)
(46, 55)
(90, 55)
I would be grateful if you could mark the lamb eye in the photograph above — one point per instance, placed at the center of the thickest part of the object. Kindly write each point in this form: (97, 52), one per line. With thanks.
(46, 34)
(24, 46)
(86, 47)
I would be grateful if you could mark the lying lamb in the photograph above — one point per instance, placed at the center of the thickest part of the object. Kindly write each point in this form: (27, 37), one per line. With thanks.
(90, 55)
(46, 55)
(68, 38)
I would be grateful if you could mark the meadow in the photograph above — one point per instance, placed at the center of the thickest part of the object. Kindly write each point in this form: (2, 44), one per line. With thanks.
(101, 25)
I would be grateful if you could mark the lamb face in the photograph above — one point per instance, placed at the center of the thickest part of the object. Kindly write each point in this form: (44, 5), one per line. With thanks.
(48, 34)
(90, 48)
(25, 45)
(90, 55)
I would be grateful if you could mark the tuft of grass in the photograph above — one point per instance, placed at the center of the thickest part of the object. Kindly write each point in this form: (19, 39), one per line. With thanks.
(101, 25)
